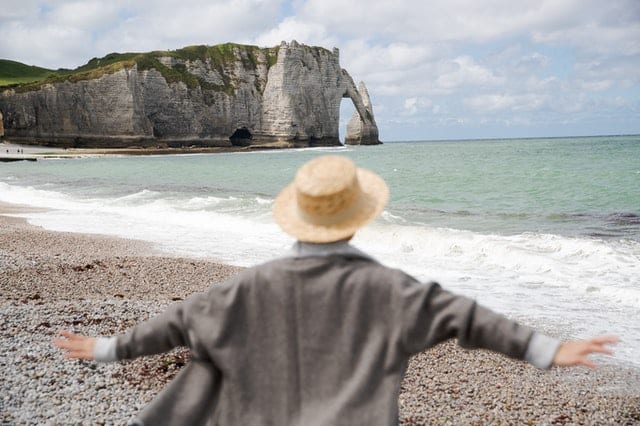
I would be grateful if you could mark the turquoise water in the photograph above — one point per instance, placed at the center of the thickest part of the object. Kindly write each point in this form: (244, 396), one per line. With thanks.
(543, 229)
(571, 187)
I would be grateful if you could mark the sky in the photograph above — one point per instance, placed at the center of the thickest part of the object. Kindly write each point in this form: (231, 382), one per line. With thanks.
(435, 69)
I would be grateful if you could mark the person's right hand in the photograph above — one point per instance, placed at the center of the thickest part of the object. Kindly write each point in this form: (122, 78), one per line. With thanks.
(76, 345)
(576, 352)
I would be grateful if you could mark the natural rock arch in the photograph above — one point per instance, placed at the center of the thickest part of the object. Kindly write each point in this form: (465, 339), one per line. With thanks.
(362, 128)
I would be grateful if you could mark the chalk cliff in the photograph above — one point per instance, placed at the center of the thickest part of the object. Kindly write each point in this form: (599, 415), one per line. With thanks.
(285, 96)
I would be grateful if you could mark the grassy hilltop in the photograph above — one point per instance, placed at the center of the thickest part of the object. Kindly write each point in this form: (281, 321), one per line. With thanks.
(12, 72)
(23, 77)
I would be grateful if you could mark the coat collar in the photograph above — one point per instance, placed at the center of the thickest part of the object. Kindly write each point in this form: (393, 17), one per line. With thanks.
(301, 249)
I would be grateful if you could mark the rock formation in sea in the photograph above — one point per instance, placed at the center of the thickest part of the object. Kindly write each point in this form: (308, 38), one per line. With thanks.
(224, 95)
(362, 128)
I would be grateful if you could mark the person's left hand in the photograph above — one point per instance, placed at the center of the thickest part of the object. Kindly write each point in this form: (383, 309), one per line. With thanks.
(76, 345)
(575, 352)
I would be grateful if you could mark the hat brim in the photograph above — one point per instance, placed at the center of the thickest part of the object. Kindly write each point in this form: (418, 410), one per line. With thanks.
(373, 199)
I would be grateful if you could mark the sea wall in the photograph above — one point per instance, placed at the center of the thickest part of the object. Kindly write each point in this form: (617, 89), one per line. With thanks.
(287, 96)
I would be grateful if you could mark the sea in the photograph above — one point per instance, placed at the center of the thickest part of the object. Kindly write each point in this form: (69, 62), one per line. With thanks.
(543, 230)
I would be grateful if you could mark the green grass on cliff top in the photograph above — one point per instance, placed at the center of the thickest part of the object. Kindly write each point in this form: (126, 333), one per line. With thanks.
(23, 77)
(12, 72)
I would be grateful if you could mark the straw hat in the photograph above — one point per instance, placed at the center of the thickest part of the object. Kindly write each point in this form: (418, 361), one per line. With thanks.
(329, 199)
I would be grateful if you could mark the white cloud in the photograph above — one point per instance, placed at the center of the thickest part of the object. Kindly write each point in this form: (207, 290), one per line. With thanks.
(505, 102)
(594, 86)
(360, 55)
(619, 102)
(309, 33)
(571, 103)
(447, 20)
(47, 34)
(535, 84)
(621, 72)
(50, 46)
(18, 9)
(84, 15)
(463, 71)
(415, 105)
(531, 62)
(596, 39)
(167, 25)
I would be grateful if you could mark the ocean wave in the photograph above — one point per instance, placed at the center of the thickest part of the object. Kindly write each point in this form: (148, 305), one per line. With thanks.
(203, 203)
(264, 201)
(555, 261)
(392, 218)
(325, 149)
(136, 197)
(558, 261)
(30, 196)
(623, 218)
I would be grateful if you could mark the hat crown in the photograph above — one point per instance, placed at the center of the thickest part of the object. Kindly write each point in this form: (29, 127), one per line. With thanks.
(329, 200)
(326, 185)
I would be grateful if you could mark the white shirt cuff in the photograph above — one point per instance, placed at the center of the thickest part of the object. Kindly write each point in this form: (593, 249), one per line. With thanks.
(105, 349)
(541, 350)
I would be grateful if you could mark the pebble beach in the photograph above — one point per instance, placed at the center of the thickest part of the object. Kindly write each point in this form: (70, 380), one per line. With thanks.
(98, 285)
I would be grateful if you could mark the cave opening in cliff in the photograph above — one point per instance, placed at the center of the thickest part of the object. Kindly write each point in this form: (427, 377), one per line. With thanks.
(346, 111)
(241, 137)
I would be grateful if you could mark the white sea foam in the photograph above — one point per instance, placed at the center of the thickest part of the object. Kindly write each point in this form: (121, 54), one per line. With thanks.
(187, 227)
(582, 265)
(324, 149)
(584, 284)
(205, 203)
(587, 266)
(135, 198)
(261, 200)
(41, 198)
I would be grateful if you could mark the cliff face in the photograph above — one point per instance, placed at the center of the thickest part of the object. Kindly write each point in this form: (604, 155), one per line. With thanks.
(285, 96)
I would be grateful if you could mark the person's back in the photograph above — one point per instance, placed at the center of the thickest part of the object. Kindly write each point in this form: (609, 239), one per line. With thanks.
(316, 341)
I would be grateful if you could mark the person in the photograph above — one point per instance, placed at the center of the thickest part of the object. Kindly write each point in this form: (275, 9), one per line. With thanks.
(321, 335)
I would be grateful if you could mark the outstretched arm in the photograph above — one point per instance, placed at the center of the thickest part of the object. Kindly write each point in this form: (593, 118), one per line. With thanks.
(155, 335)
(575, 353)
(76, 345)
(432, 315)
(174, 327)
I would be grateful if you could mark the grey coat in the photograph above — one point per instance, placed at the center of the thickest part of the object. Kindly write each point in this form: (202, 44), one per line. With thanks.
(319, 340)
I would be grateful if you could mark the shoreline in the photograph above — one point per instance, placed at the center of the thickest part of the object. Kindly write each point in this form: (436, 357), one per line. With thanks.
(103, 285)
(43, 151)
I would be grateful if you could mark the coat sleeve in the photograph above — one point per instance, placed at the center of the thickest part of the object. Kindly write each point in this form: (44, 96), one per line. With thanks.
(161, 333)
(431, 315)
